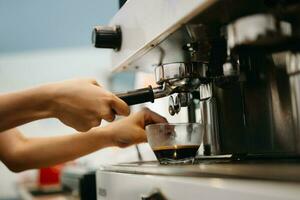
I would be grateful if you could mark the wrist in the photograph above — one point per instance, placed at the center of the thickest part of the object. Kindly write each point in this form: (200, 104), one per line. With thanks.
(109, 135)
(52, 99)
(45, 100)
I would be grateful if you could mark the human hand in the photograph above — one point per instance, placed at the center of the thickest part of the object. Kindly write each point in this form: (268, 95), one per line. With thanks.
(131, 130)
(83, 103)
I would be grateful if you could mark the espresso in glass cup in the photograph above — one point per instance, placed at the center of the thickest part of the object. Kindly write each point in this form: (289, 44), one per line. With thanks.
(175, 143)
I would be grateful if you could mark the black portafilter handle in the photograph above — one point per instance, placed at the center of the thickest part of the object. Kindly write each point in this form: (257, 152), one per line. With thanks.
(137, 96)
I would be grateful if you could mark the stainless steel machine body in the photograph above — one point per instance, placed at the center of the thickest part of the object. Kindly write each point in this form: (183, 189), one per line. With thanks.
(237, 64)
(242, 56)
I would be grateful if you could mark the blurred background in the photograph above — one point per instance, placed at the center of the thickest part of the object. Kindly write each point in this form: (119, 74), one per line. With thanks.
(43, 41)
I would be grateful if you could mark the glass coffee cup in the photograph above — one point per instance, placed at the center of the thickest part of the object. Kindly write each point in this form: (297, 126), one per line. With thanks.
(175, 143)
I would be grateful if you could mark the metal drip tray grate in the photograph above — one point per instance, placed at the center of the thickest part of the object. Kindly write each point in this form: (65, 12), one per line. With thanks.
(283, 169)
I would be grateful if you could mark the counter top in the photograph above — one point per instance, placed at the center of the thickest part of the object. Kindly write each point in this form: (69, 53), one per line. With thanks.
(26, 193)
(265, 169)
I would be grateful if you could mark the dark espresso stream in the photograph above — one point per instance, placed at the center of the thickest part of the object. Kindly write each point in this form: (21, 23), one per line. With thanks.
(177, 152)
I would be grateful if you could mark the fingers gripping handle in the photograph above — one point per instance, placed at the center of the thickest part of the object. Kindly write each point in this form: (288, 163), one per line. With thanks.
(137, 96)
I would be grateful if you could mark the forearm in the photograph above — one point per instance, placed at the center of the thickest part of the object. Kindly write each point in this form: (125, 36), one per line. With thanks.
(42, 152)
(18, 108)
(20, 153)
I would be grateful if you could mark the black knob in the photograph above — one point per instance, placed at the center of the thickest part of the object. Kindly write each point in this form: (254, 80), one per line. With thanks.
(155, 195)
(107, 37)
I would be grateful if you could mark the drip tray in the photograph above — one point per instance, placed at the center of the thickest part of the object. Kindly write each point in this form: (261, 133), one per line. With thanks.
(281, 169)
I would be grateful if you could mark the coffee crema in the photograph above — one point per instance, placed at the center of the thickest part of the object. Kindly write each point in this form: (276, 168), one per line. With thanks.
(176, 152)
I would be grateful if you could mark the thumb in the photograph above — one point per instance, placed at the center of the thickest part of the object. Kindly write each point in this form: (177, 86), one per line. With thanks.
(151, 117)
(93, 81)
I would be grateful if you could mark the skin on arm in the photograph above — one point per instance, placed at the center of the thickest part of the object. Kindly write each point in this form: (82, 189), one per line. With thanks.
(19, 153)
(18, 108)
(80, 104)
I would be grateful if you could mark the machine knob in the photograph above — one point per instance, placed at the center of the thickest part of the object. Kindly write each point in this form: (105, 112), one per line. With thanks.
(107, 37)
(155, 195)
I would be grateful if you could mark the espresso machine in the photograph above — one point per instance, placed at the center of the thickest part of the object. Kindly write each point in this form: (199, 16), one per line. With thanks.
(234, 63)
